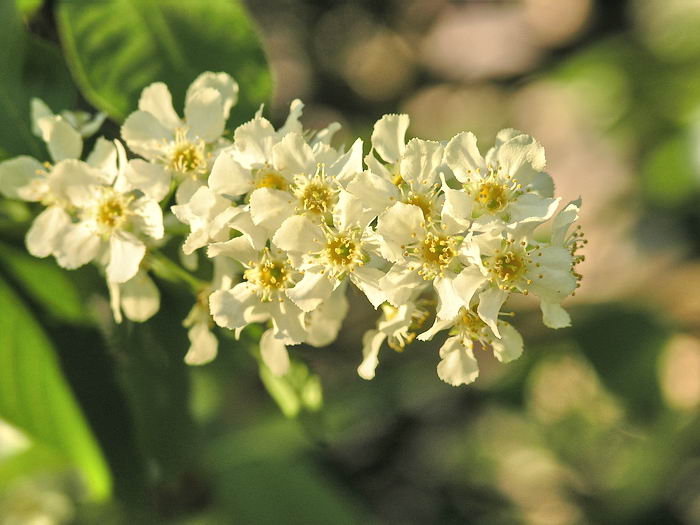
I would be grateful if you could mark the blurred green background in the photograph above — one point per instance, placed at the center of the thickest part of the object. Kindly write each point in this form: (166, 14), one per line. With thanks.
(597, 423)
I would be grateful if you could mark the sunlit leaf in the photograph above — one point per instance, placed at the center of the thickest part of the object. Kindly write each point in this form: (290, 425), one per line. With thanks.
(117, 48)
(44, 282)
(297, 390)
(35, 397)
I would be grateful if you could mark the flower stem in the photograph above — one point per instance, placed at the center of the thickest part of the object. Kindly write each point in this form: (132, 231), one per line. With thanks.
(167, 269)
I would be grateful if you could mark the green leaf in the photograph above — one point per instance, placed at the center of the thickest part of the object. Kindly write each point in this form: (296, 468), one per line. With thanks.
(117, 48)
(297, 390)
(15, 134)
(155, 380)
(29, 67)
(29, 7)
(45, 283)
(35, 397)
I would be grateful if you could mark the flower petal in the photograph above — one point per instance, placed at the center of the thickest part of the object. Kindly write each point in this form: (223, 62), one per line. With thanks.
(564, 219)
(223, 83)
(145, 135)
(253, 142)
(347, 165)
(228, 177)
(139, 297)
(521, 151)
(389, 137)
(490, 302)
(323, 324)
(398, 227)
(125, 255)
(157, 100)
(299, 234)
(78, 245)
(103, 157)
(510, 346)
(203, 345)
(148, 217)
(38, 110)
(269, 207)
(554, 316)
(550, 273)
(399, 284)
(292, 124)
(420, 162)
(458, 366)
(292, 154)
(16, 176)
(62, 140)
(152, 179)
(230, 308)
(367, 279)
(371, 344)
(45, 232)
(311, 291)
(449, 301)
(274, 353)
(463, 157)
(204, 113)
(374, 191)
(469, 280)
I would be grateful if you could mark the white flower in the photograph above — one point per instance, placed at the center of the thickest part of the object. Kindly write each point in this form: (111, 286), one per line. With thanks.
(208, 216)
(138, 298)
(25, 178)
(458, 365)
(327, 254)
(410, 176)
(203, 343)
(397, 326)
(553, 315)
(507, 185)
(109, 223)
(181, 148)
(261, 296)
(425, 252)
(323, 323)
(514, 263)
(85, 124)
(291, 176)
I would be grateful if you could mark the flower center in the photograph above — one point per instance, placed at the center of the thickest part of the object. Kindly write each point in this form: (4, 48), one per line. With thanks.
(188, 158)
(437, 252)
(493, 196)
(470, 327)
(509, 266)
(316, 198)
(111, 212)
(422, 202)
(268, 276)
(341, 250)
(270, 178)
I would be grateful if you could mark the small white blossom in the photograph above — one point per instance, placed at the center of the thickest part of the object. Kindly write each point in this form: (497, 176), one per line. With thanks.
(181, 148)
(458, 365)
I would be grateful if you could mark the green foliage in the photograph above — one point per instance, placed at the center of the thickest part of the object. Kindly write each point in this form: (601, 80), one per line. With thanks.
(117, 48)
(43, 281)
(28, 67)
(296, 391)
(35, 397)
(668, 174)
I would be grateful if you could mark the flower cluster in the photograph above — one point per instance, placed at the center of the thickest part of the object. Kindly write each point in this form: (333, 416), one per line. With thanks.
(425, 230)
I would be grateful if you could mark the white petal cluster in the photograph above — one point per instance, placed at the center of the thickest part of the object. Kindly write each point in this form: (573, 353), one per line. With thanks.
(424, 230)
